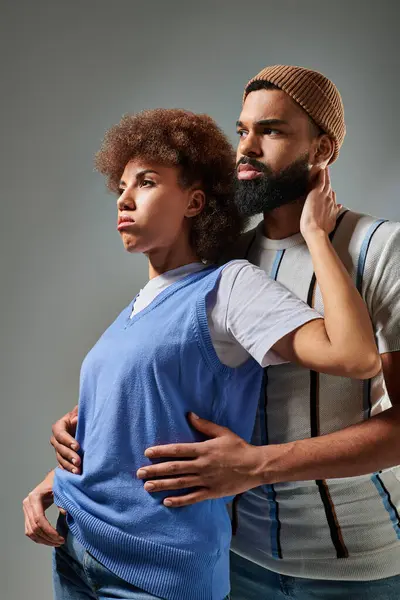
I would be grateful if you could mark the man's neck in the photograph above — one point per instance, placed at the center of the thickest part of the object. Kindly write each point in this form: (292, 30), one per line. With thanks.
(283, 221)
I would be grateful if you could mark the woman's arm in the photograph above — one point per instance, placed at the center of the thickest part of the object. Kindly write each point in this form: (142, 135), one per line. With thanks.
(343, 343)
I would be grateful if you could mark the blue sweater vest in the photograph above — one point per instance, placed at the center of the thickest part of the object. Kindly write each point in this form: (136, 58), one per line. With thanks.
(137, 385)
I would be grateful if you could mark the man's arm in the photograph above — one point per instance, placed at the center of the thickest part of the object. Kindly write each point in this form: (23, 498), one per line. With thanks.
(227, 465)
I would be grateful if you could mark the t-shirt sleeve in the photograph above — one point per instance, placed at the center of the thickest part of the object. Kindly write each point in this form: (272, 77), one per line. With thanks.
(382, 287)
(260, 311)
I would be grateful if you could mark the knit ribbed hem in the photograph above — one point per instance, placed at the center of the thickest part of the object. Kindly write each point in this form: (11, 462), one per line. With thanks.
(164, 571)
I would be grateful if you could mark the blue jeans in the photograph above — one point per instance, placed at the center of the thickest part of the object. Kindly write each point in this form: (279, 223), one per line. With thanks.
(252, 582)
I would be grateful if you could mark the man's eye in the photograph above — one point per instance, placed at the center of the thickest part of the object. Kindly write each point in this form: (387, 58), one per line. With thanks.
(241, 133)
(269, 131)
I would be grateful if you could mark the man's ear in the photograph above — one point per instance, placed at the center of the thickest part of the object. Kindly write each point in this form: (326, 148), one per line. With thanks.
(197, 200)
(323, 151)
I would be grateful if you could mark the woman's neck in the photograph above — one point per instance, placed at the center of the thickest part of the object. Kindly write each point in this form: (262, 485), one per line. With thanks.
(165, 259)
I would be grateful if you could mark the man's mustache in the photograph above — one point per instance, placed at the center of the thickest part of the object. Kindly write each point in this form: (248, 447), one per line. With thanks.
(246, 160)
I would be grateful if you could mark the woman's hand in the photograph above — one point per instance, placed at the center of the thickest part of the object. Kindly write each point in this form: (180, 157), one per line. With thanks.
(320, 209)
(37, 527)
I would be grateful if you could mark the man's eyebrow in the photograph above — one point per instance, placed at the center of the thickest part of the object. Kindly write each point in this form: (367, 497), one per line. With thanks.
(139, 174)
(269, 122)
(265, 122)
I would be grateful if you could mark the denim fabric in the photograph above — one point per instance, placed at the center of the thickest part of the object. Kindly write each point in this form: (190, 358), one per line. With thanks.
(252, 582)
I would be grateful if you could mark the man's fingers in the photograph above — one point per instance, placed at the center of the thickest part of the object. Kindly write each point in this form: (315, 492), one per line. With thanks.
(65, 451)
(62, 438)
(65, 464)
(174, 450)
(167, 469)
(178, 483)
(210, 429)
(193, 498)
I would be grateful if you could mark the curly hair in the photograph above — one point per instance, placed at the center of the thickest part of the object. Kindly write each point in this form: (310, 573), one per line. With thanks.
(195, 145)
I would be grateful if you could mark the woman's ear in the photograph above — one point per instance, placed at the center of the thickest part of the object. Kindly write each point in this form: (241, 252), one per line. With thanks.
(197, 200)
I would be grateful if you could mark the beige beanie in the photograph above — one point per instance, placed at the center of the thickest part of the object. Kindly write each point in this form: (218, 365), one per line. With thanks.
(315, 93)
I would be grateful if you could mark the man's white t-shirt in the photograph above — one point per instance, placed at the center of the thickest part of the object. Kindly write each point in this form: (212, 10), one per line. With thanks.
(337, 529)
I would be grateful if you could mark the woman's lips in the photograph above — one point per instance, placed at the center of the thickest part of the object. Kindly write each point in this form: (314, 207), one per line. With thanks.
(124, 223)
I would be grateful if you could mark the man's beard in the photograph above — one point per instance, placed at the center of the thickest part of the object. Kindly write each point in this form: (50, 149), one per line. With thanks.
(271, 190)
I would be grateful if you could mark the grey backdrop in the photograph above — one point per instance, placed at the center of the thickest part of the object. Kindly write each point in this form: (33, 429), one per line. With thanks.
(69, 70)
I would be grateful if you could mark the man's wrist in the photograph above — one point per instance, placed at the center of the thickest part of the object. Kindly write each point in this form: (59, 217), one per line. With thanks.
(275, 463)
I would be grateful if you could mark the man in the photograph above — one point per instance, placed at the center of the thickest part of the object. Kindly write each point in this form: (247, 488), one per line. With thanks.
(321, 519)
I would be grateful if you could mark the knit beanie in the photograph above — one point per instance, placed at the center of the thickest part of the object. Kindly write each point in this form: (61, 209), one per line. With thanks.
(314, 92)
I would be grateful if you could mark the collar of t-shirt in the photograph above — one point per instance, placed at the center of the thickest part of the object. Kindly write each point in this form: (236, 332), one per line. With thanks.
(156, 285)
(283, 244)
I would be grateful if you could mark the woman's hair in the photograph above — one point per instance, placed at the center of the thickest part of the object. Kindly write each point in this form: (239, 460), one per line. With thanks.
(203, 155)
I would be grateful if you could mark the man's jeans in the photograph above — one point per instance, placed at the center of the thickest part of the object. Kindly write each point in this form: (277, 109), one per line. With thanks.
(252, 582)
(77, 575)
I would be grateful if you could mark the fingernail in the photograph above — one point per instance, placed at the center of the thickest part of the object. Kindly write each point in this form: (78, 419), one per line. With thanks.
(195, 416)
(167, 503)
(149, 486)
(149, 453)
(73, 461)
(74, 447)
(142, 473)
(75, 471)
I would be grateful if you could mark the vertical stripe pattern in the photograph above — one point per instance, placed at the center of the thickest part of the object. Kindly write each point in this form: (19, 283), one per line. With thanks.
(387, 502)
(331, 517)
(270, 491)
(375, 478)
(362, 259)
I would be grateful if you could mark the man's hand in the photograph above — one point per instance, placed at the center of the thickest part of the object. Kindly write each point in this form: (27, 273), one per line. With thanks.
(223, 466)
(37, 527)
(64, 443)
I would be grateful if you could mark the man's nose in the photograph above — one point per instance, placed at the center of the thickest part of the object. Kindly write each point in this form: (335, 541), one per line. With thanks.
(250, 146)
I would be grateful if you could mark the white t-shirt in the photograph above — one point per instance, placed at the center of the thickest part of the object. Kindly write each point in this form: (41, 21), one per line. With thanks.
(247, 314)
(337, 529)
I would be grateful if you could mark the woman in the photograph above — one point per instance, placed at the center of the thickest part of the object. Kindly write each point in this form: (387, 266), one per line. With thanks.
(195, 339)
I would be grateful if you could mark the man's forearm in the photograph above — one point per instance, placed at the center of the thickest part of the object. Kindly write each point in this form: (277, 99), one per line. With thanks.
(357, 450)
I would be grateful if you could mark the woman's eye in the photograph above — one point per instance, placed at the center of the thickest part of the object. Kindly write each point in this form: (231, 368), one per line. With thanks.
(147, 183)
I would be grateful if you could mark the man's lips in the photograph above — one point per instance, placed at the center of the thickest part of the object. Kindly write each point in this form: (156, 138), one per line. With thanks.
(248, 172)
(124, 221)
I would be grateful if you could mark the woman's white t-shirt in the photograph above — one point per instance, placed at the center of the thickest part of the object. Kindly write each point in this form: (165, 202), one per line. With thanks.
(247, 313)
